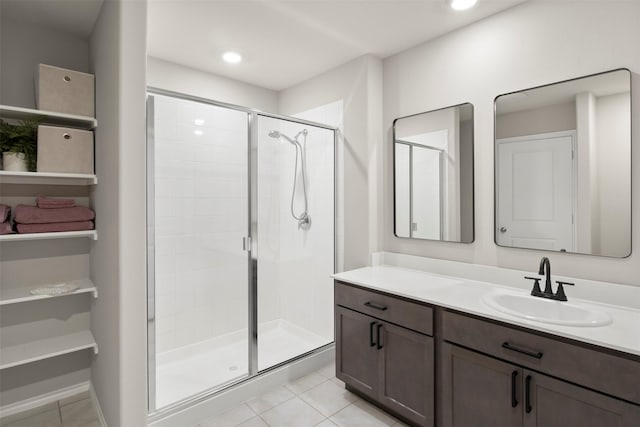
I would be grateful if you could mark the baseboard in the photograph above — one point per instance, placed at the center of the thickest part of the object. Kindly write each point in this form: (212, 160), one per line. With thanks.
(96, 405)
(43, 399)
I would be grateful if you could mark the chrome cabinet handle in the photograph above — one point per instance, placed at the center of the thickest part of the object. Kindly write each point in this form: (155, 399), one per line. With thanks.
(503, 229)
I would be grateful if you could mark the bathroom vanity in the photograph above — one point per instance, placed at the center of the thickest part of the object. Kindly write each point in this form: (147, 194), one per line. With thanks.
(427, 348)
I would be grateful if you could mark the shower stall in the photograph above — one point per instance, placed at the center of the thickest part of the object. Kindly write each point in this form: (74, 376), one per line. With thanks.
(241, 244)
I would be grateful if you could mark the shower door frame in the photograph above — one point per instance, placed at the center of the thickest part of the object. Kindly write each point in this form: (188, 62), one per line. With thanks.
(251, 249)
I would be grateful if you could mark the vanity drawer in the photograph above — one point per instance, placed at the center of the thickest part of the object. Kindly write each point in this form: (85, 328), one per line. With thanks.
(394, 310)
(587, 366)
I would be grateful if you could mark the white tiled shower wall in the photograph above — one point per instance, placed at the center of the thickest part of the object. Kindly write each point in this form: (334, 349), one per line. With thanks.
(307, 257)
(201, 218)
(294, 265)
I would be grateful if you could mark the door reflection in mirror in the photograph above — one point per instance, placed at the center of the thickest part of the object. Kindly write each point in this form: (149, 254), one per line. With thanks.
(563, 166)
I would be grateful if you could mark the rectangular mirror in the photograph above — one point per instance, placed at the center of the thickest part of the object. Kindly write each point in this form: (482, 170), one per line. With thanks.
(563, 166)
(433, 175)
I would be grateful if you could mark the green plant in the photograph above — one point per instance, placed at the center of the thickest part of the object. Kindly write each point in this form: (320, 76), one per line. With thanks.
(21, 138)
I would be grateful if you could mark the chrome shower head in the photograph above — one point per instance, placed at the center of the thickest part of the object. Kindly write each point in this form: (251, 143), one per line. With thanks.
(280, 136)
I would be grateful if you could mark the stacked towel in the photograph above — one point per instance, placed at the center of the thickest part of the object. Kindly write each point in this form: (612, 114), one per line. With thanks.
(5, 218)
(34, 219)
(50, 203)
(54, 227)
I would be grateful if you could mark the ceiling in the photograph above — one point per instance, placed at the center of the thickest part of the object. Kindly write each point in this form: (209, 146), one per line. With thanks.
(75, 17)
(286, 42)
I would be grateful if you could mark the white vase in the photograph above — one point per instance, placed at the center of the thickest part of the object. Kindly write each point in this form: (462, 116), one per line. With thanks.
(14, 162)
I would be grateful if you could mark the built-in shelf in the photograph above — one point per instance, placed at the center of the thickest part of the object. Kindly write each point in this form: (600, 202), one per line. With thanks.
(91, 234)
(47, 178)
(46, 348)
(49, 117)
(23, 294)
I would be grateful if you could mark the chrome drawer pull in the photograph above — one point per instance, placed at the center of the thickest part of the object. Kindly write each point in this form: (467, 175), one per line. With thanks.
(531, 353)
(376, 306)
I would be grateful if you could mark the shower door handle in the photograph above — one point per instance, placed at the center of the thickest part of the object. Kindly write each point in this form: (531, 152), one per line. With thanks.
(246, 244)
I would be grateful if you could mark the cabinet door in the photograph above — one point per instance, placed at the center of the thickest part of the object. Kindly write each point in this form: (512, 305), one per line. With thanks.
(356, 352)
(406, 373)
(479, 391)
(553, 403)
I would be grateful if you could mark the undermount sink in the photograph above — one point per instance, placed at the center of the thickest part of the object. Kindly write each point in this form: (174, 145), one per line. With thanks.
(545, 310)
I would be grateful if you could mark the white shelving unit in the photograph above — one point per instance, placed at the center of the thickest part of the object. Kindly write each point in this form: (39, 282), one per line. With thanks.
(46, 348)
(91, 234)
(49, 117)
(23, 294)
(47, 178)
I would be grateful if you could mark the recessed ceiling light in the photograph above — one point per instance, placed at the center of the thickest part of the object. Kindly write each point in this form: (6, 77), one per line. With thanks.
(198, 132)
(232, 57)
(462, 4)
(199, 122)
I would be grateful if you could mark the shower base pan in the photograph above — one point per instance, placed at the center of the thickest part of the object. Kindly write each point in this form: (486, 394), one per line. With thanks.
(198, 367)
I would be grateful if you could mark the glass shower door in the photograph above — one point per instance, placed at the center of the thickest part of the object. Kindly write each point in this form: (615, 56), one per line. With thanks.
(198, 311)
(295, 238)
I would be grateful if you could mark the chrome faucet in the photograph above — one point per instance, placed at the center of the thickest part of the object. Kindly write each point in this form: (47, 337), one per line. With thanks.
(545, 269)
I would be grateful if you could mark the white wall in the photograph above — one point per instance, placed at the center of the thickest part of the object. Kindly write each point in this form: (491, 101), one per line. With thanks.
(358, 85)
(23, 47)
(105, 64)
(510, 51)
(179, 78)
(118, 258)
(612, 136)
(553, 118)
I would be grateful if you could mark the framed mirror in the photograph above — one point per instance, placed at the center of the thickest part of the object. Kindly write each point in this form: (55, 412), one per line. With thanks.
(433, 175)
(563, 166)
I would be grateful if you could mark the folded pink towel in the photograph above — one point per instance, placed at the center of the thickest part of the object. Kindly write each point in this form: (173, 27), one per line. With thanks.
(5, 228)
(5, 212)
(50, 203)
(34, 215)
(55, 227)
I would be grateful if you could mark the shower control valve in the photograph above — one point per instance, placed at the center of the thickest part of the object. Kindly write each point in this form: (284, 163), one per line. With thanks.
(304, 223)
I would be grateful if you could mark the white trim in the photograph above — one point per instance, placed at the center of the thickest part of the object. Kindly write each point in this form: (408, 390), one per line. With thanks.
(43, 399)
(47, 178)
(96, 406)
(23, 293)
(50, 117)
(91, 234)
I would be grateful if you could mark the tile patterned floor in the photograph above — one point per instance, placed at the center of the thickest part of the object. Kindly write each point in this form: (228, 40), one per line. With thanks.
(74, 411)
(318, 399)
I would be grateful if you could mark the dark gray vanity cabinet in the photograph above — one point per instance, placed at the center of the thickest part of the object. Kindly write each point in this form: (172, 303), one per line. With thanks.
(356, 355)
(555, 403)
(479, 390)
(383, 352)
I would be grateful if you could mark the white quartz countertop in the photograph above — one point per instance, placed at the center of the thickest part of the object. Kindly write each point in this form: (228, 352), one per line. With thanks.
(466, 295)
